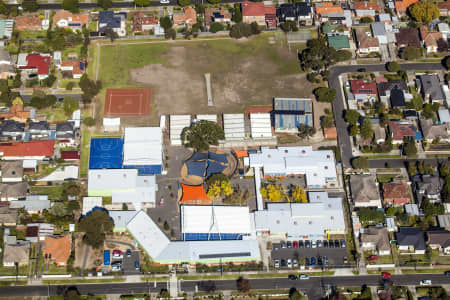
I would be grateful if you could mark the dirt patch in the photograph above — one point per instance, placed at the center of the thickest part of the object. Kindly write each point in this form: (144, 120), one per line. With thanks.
(80, 254)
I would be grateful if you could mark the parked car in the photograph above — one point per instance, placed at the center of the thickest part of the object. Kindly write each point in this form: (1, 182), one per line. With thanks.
(164, 1)
(362, 70)
(276, 263)
(336, 244)
(128, 252)
(283, 244)
(343, 245)
(313, 244)
(275, 248)
(117, 254)
(373, 258)
(325, 243)
(313, 261)
(319, 243)
(283, 263)
(116, 266)
(294, 263)
(425, 282)
(345, 260)
(289, 263)
(136, 265)
(331, 243)
(386, 275)
(300, 244)
(289, 244)
(303, 276)
(307, 244)
(306, 261)
(325, 261)
(292, 277)
(295, 244)
(319, 260)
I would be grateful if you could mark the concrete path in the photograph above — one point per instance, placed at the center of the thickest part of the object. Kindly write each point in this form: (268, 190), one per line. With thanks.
(86, 254)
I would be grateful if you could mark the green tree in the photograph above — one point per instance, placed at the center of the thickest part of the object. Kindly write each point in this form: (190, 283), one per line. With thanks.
(325, 94)
(216, 27)
(109, 32)
(393, 66)
(411, 53)
(352, 116)
(412, 169)
(354, 130)
(142, 3)
(95, 227)
(366, 20)
(295, 295)
(366, 129)
(202, 134)
(317, 55)
(89, 121)
(184, 2)
(49, 81)
(71, 5)
(240, 30)
(17, 80)
(431, 209)
(447, 62)
(89, 87)
(288, 26)
(327, 121)
(105, 4)
(409, 147)
(69, 86)
(70, 105)
(360, 162)
(417, 102)
(237, 14)
(243, 285)
(30, 5)
(72, 294)
(343, 55)
(370, 216)
(166, 22)
(59, 209)
(424, 11)
(305, 131)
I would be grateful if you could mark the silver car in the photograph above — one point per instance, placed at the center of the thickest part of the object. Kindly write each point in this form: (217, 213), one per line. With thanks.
(289, 263)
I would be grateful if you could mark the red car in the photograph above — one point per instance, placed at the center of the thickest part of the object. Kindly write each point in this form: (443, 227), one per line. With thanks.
(295, 244)
(386, 275)
(373, 258)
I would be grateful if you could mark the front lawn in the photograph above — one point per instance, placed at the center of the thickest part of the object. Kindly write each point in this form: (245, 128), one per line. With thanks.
(33, 34)
(54, 192)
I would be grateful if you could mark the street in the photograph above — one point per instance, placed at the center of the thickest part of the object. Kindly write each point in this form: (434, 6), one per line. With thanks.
(314, 287)
(339, 106)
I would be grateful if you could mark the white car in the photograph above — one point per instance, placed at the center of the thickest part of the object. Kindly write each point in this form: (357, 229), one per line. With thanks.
(164, 1)
(425, 282)
(303, 277)
(276, 264)
(313, 244)
(289, 263)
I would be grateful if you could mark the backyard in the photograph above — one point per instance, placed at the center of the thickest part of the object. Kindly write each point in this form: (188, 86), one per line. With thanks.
(243, 72)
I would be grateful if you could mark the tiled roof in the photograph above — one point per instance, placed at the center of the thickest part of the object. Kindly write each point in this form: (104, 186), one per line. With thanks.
(395, 190)
(408, 37)
(443, 5)
(250, 9)
(401, 6)
(39, 62)
(441, 237)
(58, 247)
(70, 154)
(327, 8)
(365, 41)
(189, 16)
(400, 130)
(361, 87)
(74, 19)
(28, 22)
(31, 148)
(330, 133)
(78, 65)
(213, 14)
(366, 5)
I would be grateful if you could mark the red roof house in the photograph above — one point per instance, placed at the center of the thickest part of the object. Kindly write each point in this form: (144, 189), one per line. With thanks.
(69, 155)
(400, 130)
(253, 12)
(39, 62)
(361, 87)
(27, 150)
(396, 193)
(271, 16)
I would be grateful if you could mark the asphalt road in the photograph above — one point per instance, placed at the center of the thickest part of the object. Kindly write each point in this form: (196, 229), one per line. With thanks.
(400, 163)
(27, 98)
(338, 104)
(313, 287)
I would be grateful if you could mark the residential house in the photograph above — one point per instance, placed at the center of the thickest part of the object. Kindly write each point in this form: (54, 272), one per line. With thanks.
(443, 7)
(42, 229)
(143, 23)
(6, 28)
(375, 239)
(70, 155)
(33, 150)
(217, 15)
(253, 12)
(33, 205)
(13, 191)
(444, 221)
(364, 191)
(28, 22)
(444, 29)
(393, 93)
(29, 166)
(361, 92)
(270, 15)
(434, 132)
(330, 133)
(286, 12)
(39, 130)
(439, 239)
(32, 233)
(410, 240)
(58, 248)
(17, 112)
(403, 129)
(366, 44)
(6, 67)
(429, 39)
(408, 37)
(65, 131)
(366, 8)
(289, 113)
(8, 216)
(304, 13)
(338, 41)
(327, 11)
(379, 133)
(444, 116)
(11, 171)
(35, 62)
(65, 19)
(383, 18)
(402, 6)
(411, 209)
(396, 193)
(115, 21)
(390, 224)
(77, 67)
(379, 31)
(12, 129)
(186, 18)
(16, 253)
(430, 88)
(427, 186)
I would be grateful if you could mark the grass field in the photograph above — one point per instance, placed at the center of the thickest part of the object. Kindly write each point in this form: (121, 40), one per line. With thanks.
(85, 144)
(53, 192)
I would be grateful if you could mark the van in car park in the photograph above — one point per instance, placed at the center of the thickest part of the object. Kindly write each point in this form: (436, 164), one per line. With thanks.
(276, 264)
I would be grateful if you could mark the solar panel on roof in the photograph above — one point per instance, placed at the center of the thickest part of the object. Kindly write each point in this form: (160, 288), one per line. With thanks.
(219, 255)
(81, 65)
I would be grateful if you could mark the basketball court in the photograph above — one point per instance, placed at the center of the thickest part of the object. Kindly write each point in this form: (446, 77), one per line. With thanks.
(128, 102)
(106, 153)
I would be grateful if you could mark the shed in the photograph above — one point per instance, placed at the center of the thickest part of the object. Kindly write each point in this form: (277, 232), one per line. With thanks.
(111, 124)
(177, 124)
(260, 125)
(234, 126)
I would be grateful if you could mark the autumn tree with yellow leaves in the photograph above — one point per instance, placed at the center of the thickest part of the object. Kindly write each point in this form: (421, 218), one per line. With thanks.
(298, 195)
(273, 192)
(219, 186)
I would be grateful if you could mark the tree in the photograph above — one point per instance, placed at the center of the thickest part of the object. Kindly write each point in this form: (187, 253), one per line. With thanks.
(360, 162)
(431, 209)
(69, 86)
(166, 22)
(393, 66)
(317, 55)
(109, 32)
(71, 5)
(70, 105)
(89, 87)
(216, 27)
(327, 121)
(354, 130)
(298, 195)
(59, 209)
(49, 81)
(447, 62)
(124, 206)
(95, 226)
(4, 9)
(305, 131)
(17, 80)
(417, 102)
(142, 2)
(105, 4)
(288, 26)
(411, 53)
(89, 121)
(202, 134)
(295, 295)
(240, 30)
(325, 94)
(30, 5)
(220, 189)
(424, 11)
(352, 116)
(184, 2)
(243, 285)
(412, 170)
(366, 20)
(237, 14)
(273, 192)
(170, 34)
(366, 130)
(409, 147)
(254, 28)
(72, 294)
(343, 55)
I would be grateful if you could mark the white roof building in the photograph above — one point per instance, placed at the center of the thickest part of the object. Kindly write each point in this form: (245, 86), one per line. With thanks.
(444, 115)
(261, 125)
(234, 126)
(121, 218)
(318, 166)
(323, 215)
(211, 118)
(177, 124)
(203, 222)
(90, 202)
(111, 124)
(142, 146)
(163, 251)
(29, 164)
(62, 174)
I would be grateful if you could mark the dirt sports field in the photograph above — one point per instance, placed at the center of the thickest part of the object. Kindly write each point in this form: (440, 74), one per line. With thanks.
(243, 72)
(128, 102)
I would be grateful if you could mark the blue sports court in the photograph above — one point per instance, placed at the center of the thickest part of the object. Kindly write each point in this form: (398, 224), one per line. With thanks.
(106, 153)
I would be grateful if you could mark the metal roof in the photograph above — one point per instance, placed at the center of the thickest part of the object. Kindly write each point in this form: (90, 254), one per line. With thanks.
(261, 125)
(142, 146)
(234, 126)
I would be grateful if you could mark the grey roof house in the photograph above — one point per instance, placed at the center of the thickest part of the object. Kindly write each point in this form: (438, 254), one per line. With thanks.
(410, 240)
(13, 191)
(39, 129)
(430, 88)
(364, 191)
(439, 239)
(11, 170)
(8, 216)
(13, 129)
(375, 239)
(432, 131)
(16, 253)
(65, 130)
(31, 206)
(427, 186)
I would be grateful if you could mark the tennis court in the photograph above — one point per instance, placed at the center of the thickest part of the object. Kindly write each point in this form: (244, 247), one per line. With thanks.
(128, 102)
(106, 153)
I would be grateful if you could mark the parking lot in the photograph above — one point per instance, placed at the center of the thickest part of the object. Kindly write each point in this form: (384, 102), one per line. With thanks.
(128, 263)
(334, 255)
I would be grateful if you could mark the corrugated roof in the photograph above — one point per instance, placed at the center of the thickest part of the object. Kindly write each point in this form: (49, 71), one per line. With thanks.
(142, 146)
(234, 126)
(261, 125)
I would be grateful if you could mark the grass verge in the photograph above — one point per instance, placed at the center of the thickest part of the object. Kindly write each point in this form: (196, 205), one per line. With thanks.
(424, 271)
(97, 280)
